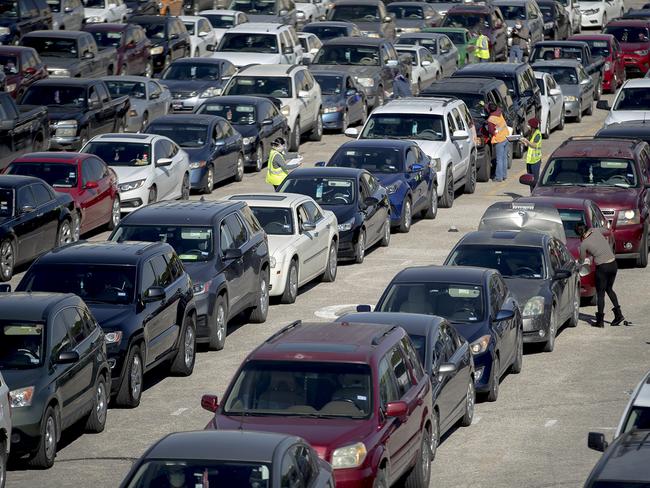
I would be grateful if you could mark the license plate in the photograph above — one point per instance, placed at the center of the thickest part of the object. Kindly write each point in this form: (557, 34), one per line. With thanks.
(177, 105)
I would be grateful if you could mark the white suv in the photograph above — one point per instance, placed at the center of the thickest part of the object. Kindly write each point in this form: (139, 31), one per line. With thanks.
(97, 11)
(630, 102)
(259, 43)
(443, 129)
(149, 167)
(5, 430)
(294, 86)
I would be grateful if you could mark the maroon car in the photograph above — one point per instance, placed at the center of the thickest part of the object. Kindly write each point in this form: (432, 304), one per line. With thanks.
(89, 181)
(606, 46)
(357, 393)
(634, 37)
(613, 173)
(132, 45)
(22, 67)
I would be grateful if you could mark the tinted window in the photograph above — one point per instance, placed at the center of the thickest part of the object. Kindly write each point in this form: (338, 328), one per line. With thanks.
(413, 358)
(56, 174)
(519, 261)
(41, 194)
(75, 325)
(237, 230)
(25, 197)
(400, 371)
(387, 384)
(275, 220)
(162, 271)
(147, 277)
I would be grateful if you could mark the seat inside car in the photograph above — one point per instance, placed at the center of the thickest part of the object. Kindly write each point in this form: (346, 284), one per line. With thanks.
(416, 301)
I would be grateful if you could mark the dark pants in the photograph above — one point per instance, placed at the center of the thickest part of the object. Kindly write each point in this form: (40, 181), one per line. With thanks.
(533, 169)
(605, 277)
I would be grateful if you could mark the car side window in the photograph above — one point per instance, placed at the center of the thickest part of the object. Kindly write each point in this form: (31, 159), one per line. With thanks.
(237, 230)
(59, 337)
(459, 120)
(42, 195)
(313, 212)
(495, 299)
(413, 359)
(554, 256)
(93, 96)
(300, 81)
(175, 266)
(290, 476)
(387, 384)
(162, 270)
(410, 158)
(398, 365)
(75, 325)
(250, 219)
(309, 81)
(147, 277)
(598, 215)
(451, 124)
(370, 183)
(154, 90)
(502, 290)
(565, 256)
(25, 197)
(225, 237)
(448, 342)
(303, 216)
(90, 324)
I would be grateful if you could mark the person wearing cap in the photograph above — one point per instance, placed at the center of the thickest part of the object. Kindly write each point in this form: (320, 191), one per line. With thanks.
(278, 168)
(519, 41)
(498, 129)
(534, 153)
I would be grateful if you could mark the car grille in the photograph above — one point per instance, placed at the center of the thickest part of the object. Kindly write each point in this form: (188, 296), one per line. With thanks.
(182, 95)
(609, 215)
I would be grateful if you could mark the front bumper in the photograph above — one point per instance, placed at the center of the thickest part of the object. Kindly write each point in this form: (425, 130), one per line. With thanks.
(628, 241)
(483, 371)
(250, 154)
(636, 64)
(396, 211)
(133, 124)
(26, 429)
(198, 178)
(65, 143)
(277, 280)
(354, 478)
(158, 61)
(592, 20)
(333, 120)
(536, 328)
(347, 242)
(204, 308)
(572, 109)
(133, 199)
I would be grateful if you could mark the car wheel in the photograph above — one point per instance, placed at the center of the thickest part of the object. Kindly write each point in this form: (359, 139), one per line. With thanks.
(153, 195)
(432, 208)
(183, 363)
(578, 117)
(259, 158)
(332, 264)
(434, 438)
(65, 234)
(219, 330)
(447, 198)
(493, 393)
(406, 217)
(549, 345)
(562, 120)
(345, 122)
(291, 286)
(385, 238)
(261, 310)
(575, 315)
(76, 226)
(547, 127)
(209, 181)
(148, 69)
(381, 480)
(360, 247)
(470, 183)
(420, 474)
(7, 259)
(185, 188)
(130, 390)
(642, 260)
(96, 420)
(3, 463)
(239, 171)
(517, 364)
(486, 168)
(295, 137)
(470, 401)
(116, 213)
(317, 132)
(44, 457)
(145, 122)
(590, 109)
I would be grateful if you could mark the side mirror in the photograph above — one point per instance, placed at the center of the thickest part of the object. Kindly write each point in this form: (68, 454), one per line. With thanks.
(220, 143)
(396, 409)
(173, 37)
(154, 294)
(94, 104)
(26, 209)
(562, 274)
(164, 162)
(91, 185)
(88, 55)
(231, 254)
(555, 92)
(31, 71)
(351, 92)
(504, 315)
(154, 96)
(67, 357)
(352, 132)
(4, 288)
(387, 19)
(585, 81)
(287, 50)
(320, 164)
(370, 201)
(267, 122)
(203, 34)
(596, 441)
(447, 369)
(527, 179)
(364, 308)
(211, 47)
(303, 94)
(210, 403)
(460, 135)
(112, 5)
(307, 227)
(416, 167)
(603, 105)
(425, 63)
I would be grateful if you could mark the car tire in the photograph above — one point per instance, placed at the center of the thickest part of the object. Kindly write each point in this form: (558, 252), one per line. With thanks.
(209, 181)
(148, 69)
(470, 183)
(316, 133)
(259, 158)
(420, 474)
(260, 311)
(381, 480)
(183, 363)
(549, 345)
(185, 188)
(598, 90)
(65, 234)
(130, 391)
(145, 122)
(431, 212)
(447, 198)
(153, 195)
(3, 463)
(331, 268)
(7, 259)
(518, 363)
(96, 420)
(470, 402)
(406, 218)
(547, 127)
(116, 213)
(291, 286)
(562, 123)
(486, 169)
(385, 237)
(590, 109)
(578, 118)
(239, 170)
(642, 260)
(44, 456)
(360, 247)
(294, 144)
(495, 377)
(219, 328)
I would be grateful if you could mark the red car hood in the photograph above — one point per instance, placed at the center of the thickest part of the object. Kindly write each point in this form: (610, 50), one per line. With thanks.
(605, 197)
(629, 47)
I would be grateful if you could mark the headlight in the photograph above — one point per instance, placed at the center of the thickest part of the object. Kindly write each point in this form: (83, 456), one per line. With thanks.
(248, 140)
(4, 31)
(569, 98)
(286, 110)
(367, 82)
(113, 337)
(300, 14)
(21, 397)
(200, 288)
(131, 185)
(60, 72)
(436, 164)
(10, 88)
(346, 225)
(480, 345)
(642, 52)
(390, 189)
(331, 110)
(66, 128)
(628, 217)
(349, 456)
(213, 91)
(157, 50)
(198, 164)
(272, 262)
(534, 306)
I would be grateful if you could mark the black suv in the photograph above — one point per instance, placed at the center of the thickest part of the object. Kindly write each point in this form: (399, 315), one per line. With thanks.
(18, 17)
(223, 248)
(53, 358)
(142, 298)
(169, 38)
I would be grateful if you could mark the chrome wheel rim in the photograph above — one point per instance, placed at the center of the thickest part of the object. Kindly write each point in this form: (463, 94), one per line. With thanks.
(189, 346)
(296, 136)
(264, 296)
(135, 377)
(210, 183)
(434, 201)
(100, 403)
(115, 214)
(66, 234)
(221, 323)
(426, 460)
(333, 263)
(240, 167)
(6, 259)
(293, 281)
(407, 215)
(387, 230)
(470, 399)
(362, 245)
(50, 438)
(434, 438)
(148, 70)
(319, 126)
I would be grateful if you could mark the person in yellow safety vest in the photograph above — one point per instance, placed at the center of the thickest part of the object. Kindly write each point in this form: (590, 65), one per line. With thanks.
(278, 168)
(534, 153)
(498, 129)
(482, 50)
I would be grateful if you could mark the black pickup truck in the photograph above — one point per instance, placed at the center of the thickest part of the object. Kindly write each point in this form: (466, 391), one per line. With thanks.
(22, 129)
(71, 54)
(78, 109)
(577, 50)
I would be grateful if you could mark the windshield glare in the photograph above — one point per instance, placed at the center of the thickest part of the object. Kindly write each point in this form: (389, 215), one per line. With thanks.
(628, 34)
(377, 160)
(108, 39)
(590, 172)
(355, 13)
(274, 86)
(455, 302)
(354, 55)
(406, 12)
(121, 154)
(430, 44)
(407, 126)
(563, 76)
(299, 388)
(187, 136)
(513, 262)
(599, 48)
(633, 99)
(58, 175)
(186, 71)
(133, 89)
(21, 344)
(6, 202)
(54, 47)
(326, 191)
(55, 96)
(274, 220)
(249, 43)
(329, 84)
(234, 113)
(513, 12)
(220, 21)
(192, 244)
(155, 31)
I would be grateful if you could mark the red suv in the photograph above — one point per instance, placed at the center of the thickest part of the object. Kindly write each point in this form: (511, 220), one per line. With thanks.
(613, 173)
(606, 46)
(634, 37)
(357, 393)
(22, 67)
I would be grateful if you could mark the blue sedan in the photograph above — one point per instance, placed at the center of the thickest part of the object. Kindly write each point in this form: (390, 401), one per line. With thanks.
(344, 102)
(402, 168)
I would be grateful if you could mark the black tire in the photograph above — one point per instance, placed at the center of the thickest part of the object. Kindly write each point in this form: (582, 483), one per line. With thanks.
(406, 218)
(153, 195)
(575, 316)
(219, 327)
(549, 345)
(209, 181)
(145, 121)
(316, 133)
(185, 188)
(3, 463)
(260, 311)
(65, 234)
(332, 264)
(345, 122)
(239, 170)
(420, 474)
(385, 238)
(485, 170)
(183, 363)
(96, 420)
(642, 260)
(590, 109)
(562, 121)
(294, 143)
(7, 259)
(360, 247)
(495, 377)
(130, 391)
(259, 158)
(470, 183)
(44, 456)
(578, 118)
(447, 198)
(518, 363)
(291, 286)
(470, 402)
(431, 211)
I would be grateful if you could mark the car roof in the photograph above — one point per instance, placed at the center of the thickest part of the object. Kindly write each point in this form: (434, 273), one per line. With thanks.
(421, 35)
(504, 238)
(597, 147)
(125, 137)
(490, 69)
(357, 41)
(517, 216)
(558, 202)
(105, 27)
(259, 27)
(562, 43)
(642, 398)
(16, 49)
(149, 19)
(270, 199)
(631, 129)
(469, 9)
(509, 2)
(186, 119)
(328, 72)
(108, 252)
(267, 69)
(181, 212)
(32, 306)
(328, 171)
(247, 99)
(463, 85)
(52, 157)
(409, 4)
(435, 273)
(218, 12)
(416, 105)
(381, 143)
(199, 60)
(558, 63)
(637, 83)
(57, 34)
(412, 323)
(627, 458)
(589, 37)
(82, 82)
(16, 181)
(331, 23)
(142, 79)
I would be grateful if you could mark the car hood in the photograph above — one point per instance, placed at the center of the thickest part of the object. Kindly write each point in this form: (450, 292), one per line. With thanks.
(387, 179)
(333, 100)
(525, 288)
(201, 271)
(198, 86)
(354, 70)
(618, 116)
(432, 149)
(111, 317)
(130, 173)
(243, 59)
(55, 112)
(471, 332)
(572, 90)
(343, 212)
(409, 23)
(605, 197)
(197, 153)
(53, 62)
(278, 244)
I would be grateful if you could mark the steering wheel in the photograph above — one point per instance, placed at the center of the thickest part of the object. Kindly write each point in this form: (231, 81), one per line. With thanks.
(470, 311)
(193, 251)
(366, 60)
(340, 198)
(27, 352)
(369, 17)
(620, 178)
(525, 271)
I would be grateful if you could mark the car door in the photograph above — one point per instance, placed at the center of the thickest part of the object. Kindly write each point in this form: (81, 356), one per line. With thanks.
(371, 212)
(233, 270)
(89, 198)
(462, 146)
(307, 245)
(448, 56)
(246, 280)
(63, 375)
(414, 177)
(354, 99)
(535, 23)
(586, 87)
(315, 103)
(573, 283)
(456, 384)
(164, 176)
(132, 51)
(158, 106)
(510, 326)
(104, 189)
(107, 114)
(207, 36)
(323, 229)
(439, 382)
(561, 288)
(26, 228)
(47, 216)
(556, 103)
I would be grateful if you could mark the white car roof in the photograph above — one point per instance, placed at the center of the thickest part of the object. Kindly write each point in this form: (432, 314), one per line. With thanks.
(642, 398)
(218, 12)
(268, 69)
(637, 83)
(419, 105)
(270, 199)
(123, 137)
(191, 18)
(257, 27)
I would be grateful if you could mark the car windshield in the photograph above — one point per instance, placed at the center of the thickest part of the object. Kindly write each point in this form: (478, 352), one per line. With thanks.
(453, 301)
(355, 13)
(513, 12)
(571, 217)
(9, 64)
(330, 84)
(255, 7)
(562, 75)
(186, 135)
(94, 283)
(405, 126)
(633, 99)
(547, 12)
(55, 5)
(133, 89)
(599, 48)
(628, 34)
(235, 113)
(52, 47)
(354, 55)
(9, 9)
(249, 43)
(326, 191)
(190, 27)
(406, 11)
(549, 53)
(107, 39)
(192, 71)
(469, 21)
(190, 243)
(302, 389)
(58, 175)
(375, 160)
(274, 220)
(204, 473)
(94, 3)
(590, 172)
(637, 419)
(121, 153)
(70, 96)
(220, 21)
(155, 31)
(21, 344)
(430, 44)
(6, 202)
(324, 32)
(512, 262)
(274, 86)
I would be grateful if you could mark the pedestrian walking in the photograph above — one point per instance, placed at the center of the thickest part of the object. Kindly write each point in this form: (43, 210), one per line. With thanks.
(278, 168)
(498, 129)
(520, 36)
(534, 153)
(593, 243)
(482, 50)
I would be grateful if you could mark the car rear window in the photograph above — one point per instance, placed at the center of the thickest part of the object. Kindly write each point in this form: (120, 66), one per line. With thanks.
(510, 261)
(58, 175)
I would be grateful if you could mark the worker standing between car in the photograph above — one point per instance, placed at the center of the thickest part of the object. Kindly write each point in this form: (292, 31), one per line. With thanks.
(534, 153)
(595, 244)
(498, 129)
(278, 168)
(482, 51)
(519, 41)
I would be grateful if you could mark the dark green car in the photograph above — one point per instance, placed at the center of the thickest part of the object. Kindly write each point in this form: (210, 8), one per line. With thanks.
(462, 39)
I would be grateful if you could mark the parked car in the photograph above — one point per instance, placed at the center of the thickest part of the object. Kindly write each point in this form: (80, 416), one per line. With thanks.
(70, 54)
(303, 240)
(357, 199)
(479, 305)
(35, 219)
(142, 298)
(294, 87)
(53, 357)
(132, 46)
(596, 13)
(22, 66)
(444, 130)
(22, 128)
(281, 12)
(613, 173)
(631, 129)
(87, 179)
(329, 29)
(105, 11)
(77, 108)
(370, 16)
(634, 37)
(223, 249)
(311, 10)
(443, 50)
(425, 69)
(201, 35)
(402, 168)
(413, 16)
(577, 87)
(227, 457)
(632, 102)
(525, 13)
(148, 99)
(169, 39)
(67, 14)
(337, 401)
(222, 20)
(142, 7)
(257, 119)
(606, 46)
(462, 39)
(624, 462)
(557, 23)
(553, 112)
(5, 428)
(193, 7)
(20, 17)
(344, 101)
(310, 45)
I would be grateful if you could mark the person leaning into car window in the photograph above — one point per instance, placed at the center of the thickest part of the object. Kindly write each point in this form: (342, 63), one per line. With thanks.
(278, 168)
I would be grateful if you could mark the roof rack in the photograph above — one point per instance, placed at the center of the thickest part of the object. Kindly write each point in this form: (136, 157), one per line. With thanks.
(380, 337)
(287, 328)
